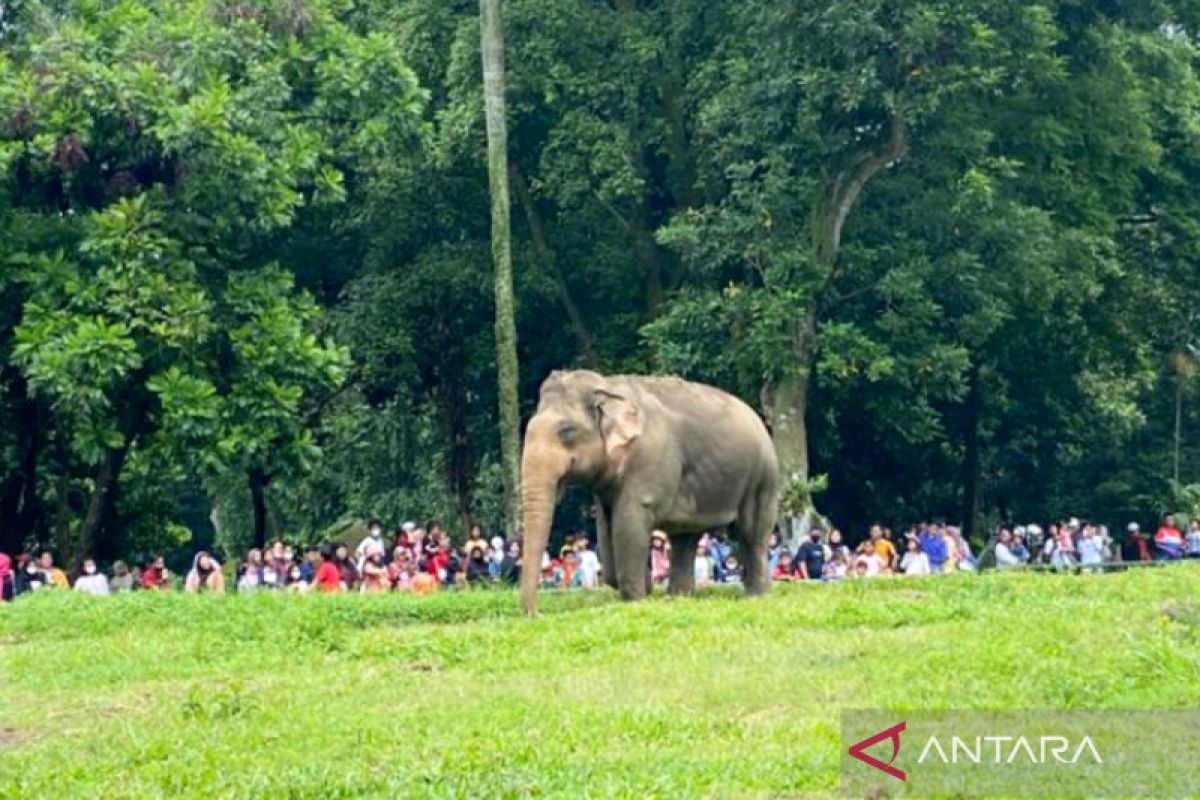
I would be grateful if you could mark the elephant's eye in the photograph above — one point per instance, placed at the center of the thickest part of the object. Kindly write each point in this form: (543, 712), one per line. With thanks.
(568, 432)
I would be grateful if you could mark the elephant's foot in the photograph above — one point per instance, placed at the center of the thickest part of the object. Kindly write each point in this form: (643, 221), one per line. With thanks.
(637, 591)
(757, 587)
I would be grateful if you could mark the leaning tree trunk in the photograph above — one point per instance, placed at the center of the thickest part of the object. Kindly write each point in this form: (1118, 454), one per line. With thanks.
(492, 46)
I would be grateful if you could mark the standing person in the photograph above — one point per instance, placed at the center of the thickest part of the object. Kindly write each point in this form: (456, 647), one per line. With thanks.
(934, 547)
(1192, 538)
(154, 574)
(308, 567)
(58, 578)
(702, 568)
(371, 543)
(660, 558)
(328, 577)
(835, 546)
(8, 589)
(346, 567)
(475, 539)
(719, 548)
(775, 549)
(914, 561)
(1091, 553)
(1168, 541)
(809, 563)
(122, 578)
(588, 564)
(205, 576)
(90, 580)
(885, 551)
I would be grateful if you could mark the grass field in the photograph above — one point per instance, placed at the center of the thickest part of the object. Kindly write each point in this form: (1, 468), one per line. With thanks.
(455, 696)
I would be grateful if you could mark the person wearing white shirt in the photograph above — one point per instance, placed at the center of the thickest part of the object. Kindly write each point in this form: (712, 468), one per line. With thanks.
(914, 562)
(91, 581)
(1005, 557)
(587, 565)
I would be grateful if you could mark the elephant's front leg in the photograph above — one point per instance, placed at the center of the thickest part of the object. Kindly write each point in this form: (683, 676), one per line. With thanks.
(683, 564)
(631, 523)
(608, 562)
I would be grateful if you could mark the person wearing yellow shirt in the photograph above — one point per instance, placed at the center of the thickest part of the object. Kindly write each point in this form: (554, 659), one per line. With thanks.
(58, 578)
(885, 551)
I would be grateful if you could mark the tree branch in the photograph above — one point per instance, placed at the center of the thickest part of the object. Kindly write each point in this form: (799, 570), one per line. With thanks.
(848, 185)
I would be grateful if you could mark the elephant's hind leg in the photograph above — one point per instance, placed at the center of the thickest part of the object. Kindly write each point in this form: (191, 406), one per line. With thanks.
(753, 527)
(683, 564)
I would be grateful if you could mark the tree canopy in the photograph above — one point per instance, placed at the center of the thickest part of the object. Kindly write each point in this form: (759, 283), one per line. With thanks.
(948, 248)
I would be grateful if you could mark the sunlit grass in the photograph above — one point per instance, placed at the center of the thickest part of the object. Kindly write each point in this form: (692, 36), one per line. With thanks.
(458, 696)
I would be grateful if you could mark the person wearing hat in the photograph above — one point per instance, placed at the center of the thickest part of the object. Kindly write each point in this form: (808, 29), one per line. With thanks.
(1133, 544)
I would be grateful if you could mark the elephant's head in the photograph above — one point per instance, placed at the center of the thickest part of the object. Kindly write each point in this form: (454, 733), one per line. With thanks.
(583, 432)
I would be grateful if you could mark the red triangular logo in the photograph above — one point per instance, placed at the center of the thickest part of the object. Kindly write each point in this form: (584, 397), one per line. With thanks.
(892, 733)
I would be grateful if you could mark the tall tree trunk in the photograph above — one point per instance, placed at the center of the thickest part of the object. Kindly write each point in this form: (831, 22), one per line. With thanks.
(258, 481)
(492, 46)
(972, 461)
(785, 399)
(104, 496)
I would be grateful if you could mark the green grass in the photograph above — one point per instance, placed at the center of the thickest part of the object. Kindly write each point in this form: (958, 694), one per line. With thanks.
(456, 696)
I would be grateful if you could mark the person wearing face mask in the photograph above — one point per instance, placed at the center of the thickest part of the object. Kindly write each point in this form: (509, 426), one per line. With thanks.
(90, 580)
(810, 557)
(477, 570)
(372, 543)
(29, 576)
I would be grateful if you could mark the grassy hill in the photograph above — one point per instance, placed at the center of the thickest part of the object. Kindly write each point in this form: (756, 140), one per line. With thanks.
(456, 696)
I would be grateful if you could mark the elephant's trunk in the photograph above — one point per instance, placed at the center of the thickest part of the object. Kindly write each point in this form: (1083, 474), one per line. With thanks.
(541, 470)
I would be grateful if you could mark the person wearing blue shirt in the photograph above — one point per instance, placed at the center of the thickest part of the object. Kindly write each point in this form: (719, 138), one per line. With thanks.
(934, 548)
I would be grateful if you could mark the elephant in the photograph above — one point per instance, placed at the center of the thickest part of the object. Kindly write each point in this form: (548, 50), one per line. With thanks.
(659, 453)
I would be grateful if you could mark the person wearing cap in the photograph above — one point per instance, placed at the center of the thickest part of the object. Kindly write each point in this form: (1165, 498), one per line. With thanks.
(1133, 544)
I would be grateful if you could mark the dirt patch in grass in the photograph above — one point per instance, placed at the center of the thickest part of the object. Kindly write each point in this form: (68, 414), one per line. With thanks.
(11, 738)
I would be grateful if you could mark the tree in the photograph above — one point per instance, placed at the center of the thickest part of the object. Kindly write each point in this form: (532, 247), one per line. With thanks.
(492, 46)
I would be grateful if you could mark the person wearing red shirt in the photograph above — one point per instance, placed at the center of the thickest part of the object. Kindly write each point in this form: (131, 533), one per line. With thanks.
(1168, 541)
(154, 575)
(329, 577)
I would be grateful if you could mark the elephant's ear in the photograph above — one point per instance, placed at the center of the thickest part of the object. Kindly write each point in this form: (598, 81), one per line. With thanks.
(621, 424)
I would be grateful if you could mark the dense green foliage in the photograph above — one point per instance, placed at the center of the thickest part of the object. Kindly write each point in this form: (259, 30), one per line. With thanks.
(456, 695)
(949, 248)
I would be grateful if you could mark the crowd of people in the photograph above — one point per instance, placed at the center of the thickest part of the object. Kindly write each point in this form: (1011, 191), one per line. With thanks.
(425, 559)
